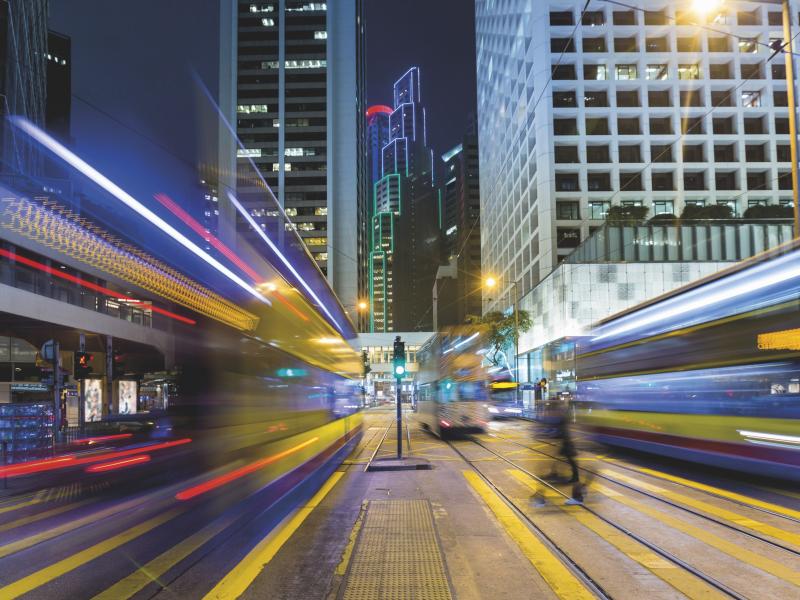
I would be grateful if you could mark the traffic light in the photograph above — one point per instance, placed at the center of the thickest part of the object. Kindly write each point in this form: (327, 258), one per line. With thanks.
(83, 365)
(399, 361)
(118, 364)
(365, 362)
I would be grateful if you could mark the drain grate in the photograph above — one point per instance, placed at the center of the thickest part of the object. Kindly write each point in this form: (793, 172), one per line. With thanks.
(397, 556)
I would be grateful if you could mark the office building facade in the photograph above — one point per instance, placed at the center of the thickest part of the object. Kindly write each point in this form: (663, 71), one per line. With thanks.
(640, 106)
(299, 116)
(58, 103)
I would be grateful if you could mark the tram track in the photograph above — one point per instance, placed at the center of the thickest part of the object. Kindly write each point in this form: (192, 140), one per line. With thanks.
(665, 554)
(660, 499)
(562, 555)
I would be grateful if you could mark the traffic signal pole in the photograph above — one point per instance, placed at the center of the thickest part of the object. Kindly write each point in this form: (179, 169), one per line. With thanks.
(399, 368)
(82, 395)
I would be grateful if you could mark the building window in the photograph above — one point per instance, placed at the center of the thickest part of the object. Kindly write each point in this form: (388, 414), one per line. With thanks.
(321, 256)
(662, 182)
(663, 207)
(564, 100)
(291, 212)
(594, 44)
(774, 18)
(724, 125)
(689, 44)
(624, 17)
(595, 72)
(655, 17)
(598, 209)
(657, 72)
(261, 8)
(626, 72)
(757, 180)
(595, 99)
(748, 45)
(752, 71)
(692, 126)
(659, 98)
(568, 211)
(781, 125)
(567, 182)
(597, 126)
(748, 18)
(306, 63)
(694, 181)
(628, 99)
(660, 44)
(719, 44)
(568, 237)
(565, 127)
(725, 153)
(661, 153)
(563, 17)
(755, 152)
(276, 166)
(248, 153)
(661, 126)
(722, 98)
(598, 182)
(694, 153)
(754, 125)
(561, 45)
(778, 71)
(593, 18)
(321, 211)
(751, 99)
(320, 35)
(247, 109)
(780, 99)
(628, 126)
(564, 72)
(625, 44)
(316, 241)
(783, 153)
(630, 182)
(268, 22)
(725, 180)
(597, 154)
(567, 154)
(689, 71)
(630, 154)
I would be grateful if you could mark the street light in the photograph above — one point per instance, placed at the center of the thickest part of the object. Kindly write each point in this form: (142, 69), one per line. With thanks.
(490, 283)
(362, 306)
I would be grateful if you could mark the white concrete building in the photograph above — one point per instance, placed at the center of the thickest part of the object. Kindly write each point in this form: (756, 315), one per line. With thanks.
(579, 112)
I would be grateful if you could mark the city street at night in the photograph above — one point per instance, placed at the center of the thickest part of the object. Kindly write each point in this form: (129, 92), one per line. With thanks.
(420, 300)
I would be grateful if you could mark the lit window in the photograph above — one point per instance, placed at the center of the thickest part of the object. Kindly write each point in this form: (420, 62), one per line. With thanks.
(321, 211)
(316, 241)
(268, 22)
(276, 122)
(310, 6)
(751, 99)
(663, 207)
(320, 35)
(293, 152)
(307, 63)
(269, 64)
(288, 166)
(626, 72)
(261, 8)
(598, 210)
(305, 226)
(248, 152)
(748, 45)
(291, 212)
(247, 109)
(276, 166)
(657, 72)
(320, 256)
(689, 71)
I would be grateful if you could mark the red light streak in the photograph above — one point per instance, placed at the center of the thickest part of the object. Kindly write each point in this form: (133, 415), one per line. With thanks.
(176, 210)
(90, 286)
(444, 423)
(119, 464)
(379, 108)
(72, 460)
(212, 484)
(290, 306)
(103, 438)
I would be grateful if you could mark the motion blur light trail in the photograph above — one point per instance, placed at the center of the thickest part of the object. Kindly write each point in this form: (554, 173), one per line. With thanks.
(116, 191)
(92, 286)
(73, 460)
(175, 209)
(79, 239)
(119, 464)
(212, 484)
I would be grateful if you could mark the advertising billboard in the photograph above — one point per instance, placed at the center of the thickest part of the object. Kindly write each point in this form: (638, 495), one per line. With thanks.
(127, 397)
(93, 399)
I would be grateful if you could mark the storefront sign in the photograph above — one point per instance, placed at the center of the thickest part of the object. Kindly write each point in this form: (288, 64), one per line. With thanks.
(25, 386)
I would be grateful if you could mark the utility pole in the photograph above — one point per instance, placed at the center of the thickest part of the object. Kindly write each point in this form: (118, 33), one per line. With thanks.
(82, 395)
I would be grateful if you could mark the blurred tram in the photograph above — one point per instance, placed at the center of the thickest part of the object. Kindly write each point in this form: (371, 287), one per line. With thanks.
(452, 382)
(708, 373)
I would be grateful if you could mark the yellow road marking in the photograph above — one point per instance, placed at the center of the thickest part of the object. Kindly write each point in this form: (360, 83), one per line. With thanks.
(724, 493)
(242, 575)
(139, 579)
(722, 513)
(341, 568)
(563, 583)
(48, 574)
(684, 582)
(48, 534)
(42, 515)
(736, 551)
(19, 505)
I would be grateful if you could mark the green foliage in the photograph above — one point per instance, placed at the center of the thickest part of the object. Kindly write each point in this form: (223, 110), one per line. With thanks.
(664, 219)
(770, 211)
(504, 330)
(712, 211)
(626, 215)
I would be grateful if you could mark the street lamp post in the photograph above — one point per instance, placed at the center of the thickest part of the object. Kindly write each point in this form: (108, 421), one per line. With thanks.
(490, 283)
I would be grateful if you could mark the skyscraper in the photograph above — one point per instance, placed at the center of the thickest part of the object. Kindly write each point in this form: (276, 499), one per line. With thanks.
(59, 85)
(460, 282)
(23, 44)
(299, 111)
(639, 106)
(406, 218)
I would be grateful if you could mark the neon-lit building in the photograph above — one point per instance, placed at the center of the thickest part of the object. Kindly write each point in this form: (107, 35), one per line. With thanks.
(406, 218)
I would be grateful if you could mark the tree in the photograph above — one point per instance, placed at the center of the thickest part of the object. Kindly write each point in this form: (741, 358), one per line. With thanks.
(769, 211)
(626, 215)
(504, 330)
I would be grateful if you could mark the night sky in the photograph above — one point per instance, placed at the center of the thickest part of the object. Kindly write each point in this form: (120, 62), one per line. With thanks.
(134, 61)
(438, 36)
